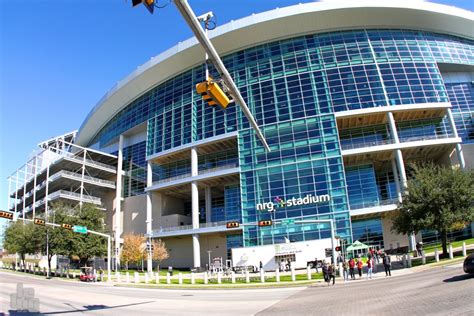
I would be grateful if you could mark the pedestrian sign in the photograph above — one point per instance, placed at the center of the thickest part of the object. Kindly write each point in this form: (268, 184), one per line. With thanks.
(289, 221)
(79, 229)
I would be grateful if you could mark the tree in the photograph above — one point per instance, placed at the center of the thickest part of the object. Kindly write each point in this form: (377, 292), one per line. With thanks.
(133, 249)
(20, 238)
(437, 198)
(159, 252)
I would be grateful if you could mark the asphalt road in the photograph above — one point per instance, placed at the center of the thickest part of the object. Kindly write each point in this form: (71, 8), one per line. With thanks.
(442, 291)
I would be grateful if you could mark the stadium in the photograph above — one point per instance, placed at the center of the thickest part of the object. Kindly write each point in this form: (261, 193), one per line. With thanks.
(347, 94)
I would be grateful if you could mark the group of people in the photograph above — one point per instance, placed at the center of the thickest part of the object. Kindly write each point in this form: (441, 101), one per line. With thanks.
(350, 266)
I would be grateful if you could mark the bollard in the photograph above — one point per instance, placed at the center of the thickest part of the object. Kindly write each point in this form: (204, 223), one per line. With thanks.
(74, 275)
(168, 278)
(206, 278)
(247, 276)
(464, 252)
(219, 277)
(157, 277)
(436, 255)
(180, 278)
(293, 275)
(262, 275)
(405, 263)
(277, 275)
(146, 277)
(118, 277)
(193, 281)
(232, 276)
(409, 260)
(451, 255)
(127, 277)
(423, 258)
(136, 277)
(308, 273)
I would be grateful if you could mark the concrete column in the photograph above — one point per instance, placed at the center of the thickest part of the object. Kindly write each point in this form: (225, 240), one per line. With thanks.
(397, 180)
(208, 197)
(460, 155)
(195, 208)
(149, 219)
(34, 186)
(82, 177)
(118, 203)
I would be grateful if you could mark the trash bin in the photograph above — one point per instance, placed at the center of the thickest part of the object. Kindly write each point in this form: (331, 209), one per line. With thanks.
(170, 270)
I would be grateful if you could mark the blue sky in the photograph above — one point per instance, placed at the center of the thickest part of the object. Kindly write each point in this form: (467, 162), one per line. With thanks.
(58, 58)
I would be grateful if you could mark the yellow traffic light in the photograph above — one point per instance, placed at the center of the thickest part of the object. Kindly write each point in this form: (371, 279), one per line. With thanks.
(212, 93)
(6, 215)
(233, 224)
(39, 221)
(264, 223)
(67, 226)
(149, 4)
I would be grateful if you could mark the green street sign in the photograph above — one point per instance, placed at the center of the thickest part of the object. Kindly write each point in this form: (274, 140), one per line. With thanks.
(289, 221)
(79, 229)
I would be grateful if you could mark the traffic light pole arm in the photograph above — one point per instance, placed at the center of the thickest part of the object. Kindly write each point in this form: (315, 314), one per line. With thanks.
(196, 27)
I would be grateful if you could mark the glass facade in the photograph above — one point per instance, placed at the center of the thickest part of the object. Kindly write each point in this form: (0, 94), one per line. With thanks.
(294, 87)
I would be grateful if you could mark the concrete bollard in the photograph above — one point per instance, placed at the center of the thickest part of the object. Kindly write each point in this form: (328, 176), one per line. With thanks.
(293, 275)
(219, 277)
(136, 277)
(409, 260)
(74, 275)
(405, 262)
(168, 278)
(127, 277)
(262, 275)
(247, 277)
(206, 278)
(232, 276)
(464, 251)
(341, 273)
(118, 277)
(180, 278)
(146, 278)
(308, 273)
(436, 255)
(423, 258)
(277, 275)
(157, 277)
(193, 281)
(451, 255)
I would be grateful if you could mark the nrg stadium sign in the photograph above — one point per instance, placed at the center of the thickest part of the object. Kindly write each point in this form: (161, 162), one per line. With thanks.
(278, 202)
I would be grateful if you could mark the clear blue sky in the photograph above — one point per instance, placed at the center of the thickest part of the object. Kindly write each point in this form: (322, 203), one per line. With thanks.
(58, 58)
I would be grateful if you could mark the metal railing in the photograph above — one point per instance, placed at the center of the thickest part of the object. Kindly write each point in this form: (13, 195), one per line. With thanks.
(189, 227)
(188, 174)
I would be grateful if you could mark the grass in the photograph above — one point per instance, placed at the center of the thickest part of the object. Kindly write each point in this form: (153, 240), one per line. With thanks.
(417, 261)
(455, 244)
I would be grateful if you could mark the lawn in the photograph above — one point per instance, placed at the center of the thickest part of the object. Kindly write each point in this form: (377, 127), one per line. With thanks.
(455, 244)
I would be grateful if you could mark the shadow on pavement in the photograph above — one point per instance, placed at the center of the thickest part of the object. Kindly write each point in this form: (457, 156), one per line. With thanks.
(458, 278)
(85, 308)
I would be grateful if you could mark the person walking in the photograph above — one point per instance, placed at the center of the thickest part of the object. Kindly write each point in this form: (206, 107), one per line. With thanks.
(325, 272)
(332, 274)
(351, 268)
(387, 265)
(360, 265)
(345, 268)
(370, 265)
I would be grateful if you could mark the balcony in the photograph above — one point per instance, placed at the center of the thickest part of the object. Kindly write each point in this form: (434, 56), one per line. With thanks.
(204, 228)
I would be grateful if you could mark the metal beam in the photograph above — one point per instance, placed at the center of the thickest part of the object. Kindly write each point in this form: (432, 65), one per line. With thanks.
(196, 27)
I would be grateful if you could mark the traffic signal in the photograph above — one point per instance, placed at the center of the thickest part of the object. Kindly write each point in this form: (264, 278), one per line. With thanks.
(67, 226)
(39, 221)
(338, 248)
(6, 215)
(233, 224)
(212, 93)
(264, 223)
(149, 4)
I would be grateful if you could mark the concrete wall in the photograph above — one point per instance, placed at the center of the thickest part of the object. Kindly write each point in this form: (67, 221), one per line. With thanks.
(181, 251)
(392, 240)
(134, 215)
(451, 158)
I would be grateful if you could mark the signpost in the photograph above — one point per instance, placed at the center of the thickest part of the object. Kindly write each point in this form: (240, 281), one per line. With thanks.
(79, 229)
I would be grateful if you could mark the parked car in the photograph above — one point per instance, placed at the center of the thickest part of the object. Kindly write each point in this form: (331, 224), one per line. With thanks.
(87, 274)
(469, 264)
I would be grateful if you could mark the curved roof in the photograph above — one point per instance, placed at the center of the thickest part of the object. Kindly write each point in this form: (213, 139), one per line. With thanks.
(273, 25)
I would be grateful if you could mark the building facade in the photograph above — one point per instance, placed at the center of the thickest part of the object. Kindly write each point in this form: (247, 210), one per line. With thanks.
(347, 96)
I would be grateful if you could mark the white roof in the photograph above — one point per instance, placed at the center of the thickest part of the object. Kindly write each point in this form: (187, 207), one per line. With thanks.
(273, 25)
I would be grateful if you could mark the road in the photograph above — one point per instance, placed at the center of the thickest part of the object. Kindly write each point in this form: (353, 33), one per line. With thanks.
(442, 291)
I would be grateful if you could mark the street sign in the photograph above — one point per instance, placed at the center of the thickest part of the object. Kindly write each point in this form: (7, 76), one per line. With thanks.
(289, 221)
(79, 229)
